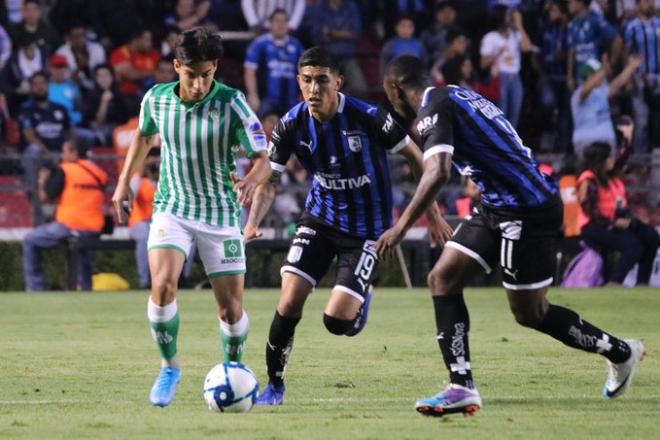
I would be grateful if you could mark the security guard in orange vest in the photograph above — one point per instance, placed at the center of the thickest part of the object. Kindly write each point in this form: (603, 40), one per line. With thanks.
(78, 185)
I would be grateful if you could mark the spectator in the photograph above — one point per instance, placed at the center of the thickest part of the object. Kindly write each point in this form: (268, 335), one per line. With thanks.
(134, 63)
(122, 136)
(456, 45)
(459, 71)
(642, 36)
(45, 125)
(605, 219)
(503, 46)
(554, 55)
(471, 198)
(164, 73)
(78, 185)
(188, 14)
(338, 28)
(258, 13)
(404, 43)
(34, 27)
(64, 91)
(25, 62)
(589, 36)
(592, 118)
(105, 107)
(419, 11)
(271, 62)
(82, 55)
(434, 38)
(169, 40)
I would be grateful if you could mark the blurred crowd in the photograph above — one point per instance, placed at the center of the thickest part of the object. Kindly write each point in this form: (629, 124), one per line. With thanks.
(563, 71)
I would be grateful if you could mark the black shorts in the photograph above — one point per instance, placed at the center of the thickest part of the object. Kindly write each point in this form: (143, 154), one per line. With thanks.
(524, 242)
(316, 245)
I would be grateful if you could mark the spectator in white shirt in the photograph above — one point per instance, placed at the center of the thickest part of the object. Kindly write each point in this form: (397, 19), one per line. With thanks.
(82, 56)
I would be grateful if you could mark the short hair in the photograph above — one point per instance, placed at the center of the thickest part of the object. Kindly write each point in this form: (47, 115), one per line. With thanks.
(41, 73)
(453, 34)
(586, 3)
(105, 66)
(562, 5)
(78, 145)
(452, 69)
(407, 71)
(278, 11)
(318, 57)
(405, 16)
(197, 45)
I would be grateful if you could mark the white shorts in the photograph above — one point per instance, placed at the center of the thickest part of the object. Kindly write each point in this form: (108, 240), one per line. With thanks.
(222, 250)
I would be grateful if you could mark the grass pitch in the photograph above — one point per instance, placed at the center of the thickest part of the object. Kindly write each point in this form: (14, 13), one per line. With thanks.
(80, 366)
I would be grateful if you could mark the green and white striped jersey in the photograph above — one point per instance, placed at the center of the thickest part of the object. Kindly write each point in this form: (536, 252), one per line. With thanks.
(199, 142)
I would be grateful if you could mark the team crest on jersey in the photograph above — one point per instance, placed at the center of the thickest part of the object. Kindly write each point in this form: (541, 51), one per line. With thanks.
(354, 142)
(214, 113)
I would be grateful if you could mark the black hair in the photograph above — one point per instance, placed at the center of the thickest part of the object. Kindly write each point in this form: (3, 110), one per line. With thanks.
(407, 71)
(277, 11)
(41, 73)
(405, 16)
(453, 34)
(197, 45)
(441, 4)
(562, 5)
(137, 32)
(78, 144)
(498, 16)
(586, 3)
(318, 57)
(106, 66)
(595, 156)
(452, 69)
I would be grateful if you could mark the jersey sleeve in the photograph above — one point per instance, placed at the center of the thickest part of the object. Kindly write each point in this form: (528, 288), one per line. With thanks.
(389, 132)
(436, 129)
(146, 124)
(252, 55)
(281, 146)
(246, 127)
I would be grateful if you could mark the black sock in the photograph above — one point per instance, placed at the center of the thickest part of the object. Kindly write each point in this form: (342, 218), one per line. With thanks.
(453, 323)
(568, 327)
(278, 347)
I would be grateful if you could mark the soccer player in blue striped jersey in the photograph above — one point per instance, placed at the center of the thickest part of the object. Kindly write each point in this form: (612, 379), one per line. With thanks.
(343, 143)
(517, 224)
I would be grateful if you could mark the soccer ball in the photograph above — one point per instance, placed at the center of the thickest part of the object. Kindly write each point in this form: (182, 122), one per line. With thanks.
(231, 387)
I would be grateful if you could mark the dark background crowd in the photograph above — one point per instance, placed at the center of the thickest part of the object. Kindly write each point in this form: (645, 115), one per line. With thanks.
(564, 72)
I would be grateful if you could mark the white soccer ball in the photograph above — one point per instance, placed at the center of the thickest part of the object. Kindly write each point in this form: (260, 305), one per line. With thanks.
(231, 387)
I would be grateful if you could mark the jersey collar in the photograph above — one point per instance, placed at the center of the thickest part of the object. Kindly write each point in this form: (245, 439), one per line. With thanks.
(425, 96)
(192, 105)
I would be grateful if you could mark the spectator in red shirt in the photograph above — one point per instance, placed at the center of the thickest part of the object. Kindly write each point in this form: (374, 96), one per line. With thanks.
(134, 62)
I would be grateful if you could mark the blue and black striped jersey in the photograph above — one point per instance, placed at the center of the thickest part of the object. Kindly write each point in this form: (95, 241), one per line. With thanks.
(485, 147)
(346, 157)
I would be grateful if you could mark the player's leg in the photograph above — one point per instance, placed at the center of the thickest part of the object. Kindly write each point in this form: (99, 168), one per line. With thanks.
(347, 310)
(223, 254)
(470, 251)
(169, 244)
(527, 258)
(307, 262)
(234, 321)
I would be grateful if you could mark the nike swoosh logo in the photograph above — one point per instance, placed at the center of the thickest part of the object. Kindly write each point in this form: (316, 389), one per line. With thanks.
(613, 393)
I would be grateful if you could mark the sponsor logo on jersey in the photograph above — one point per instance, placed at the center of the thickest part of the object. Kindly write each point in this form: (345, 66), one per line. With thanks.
(299, 240)
(389, 123)
(305, 230)
(295, 252)
(341, 184)
(426, 123)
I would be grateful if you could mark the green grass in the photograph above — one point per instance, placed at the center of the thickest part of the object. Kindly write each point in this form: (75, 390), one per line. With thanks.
(81, 365)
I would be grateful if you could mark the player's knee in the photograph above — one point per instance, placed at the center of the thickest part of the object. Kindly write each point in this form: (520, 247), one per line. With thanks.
(439, 282)
(164, 289)
(337, 326)
(531, 318)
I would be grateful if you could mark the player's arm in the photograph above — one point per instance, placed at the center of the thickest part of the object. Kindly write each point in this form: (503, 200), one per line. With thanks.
(439, 229)
(259, 174)
(261, 202)
(137, 153)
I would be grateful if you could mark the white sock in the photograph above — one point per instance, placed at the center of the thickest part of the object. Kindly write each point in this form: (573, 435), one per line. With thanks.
(156, 313)
(239, 328)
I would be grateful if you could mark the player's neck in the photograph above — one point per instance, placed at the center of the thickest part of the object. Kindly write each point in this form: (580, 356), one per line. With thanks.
(415, 98)
(327, 115)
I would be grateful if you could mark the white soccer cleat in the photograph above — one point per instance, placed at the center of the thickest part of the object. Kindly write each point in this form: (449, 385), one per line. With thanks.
(620, 376)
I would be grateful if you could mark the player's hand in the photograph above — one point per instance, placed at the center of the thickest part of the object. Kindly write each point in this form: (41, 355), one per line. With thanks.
(439, 230)
(122, 200)
(251, 232)
(244, 188)
(622, 223)
(389, 241)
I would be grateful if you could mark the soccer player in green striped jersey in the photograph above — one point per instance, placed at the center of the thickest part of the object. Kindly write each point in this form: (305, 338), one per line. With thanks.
(202, 124)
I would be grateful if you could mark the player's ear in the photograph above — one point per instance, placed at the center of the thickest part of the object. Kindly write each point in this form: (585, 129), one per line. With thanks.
(340, 81)
(177, 65)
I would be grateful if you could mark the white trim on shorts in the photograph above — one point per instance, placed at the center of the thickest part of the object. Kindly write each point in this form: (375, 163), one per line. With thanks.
(531, 286)
(349, 291)
(298, 272)
(470, 253)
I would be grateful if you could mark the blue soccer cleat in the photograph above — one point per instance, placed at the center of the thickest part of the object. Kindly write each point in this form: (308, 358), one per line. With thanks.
(165, 386)
(363, 315)
(454, 399)
(272, 395)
